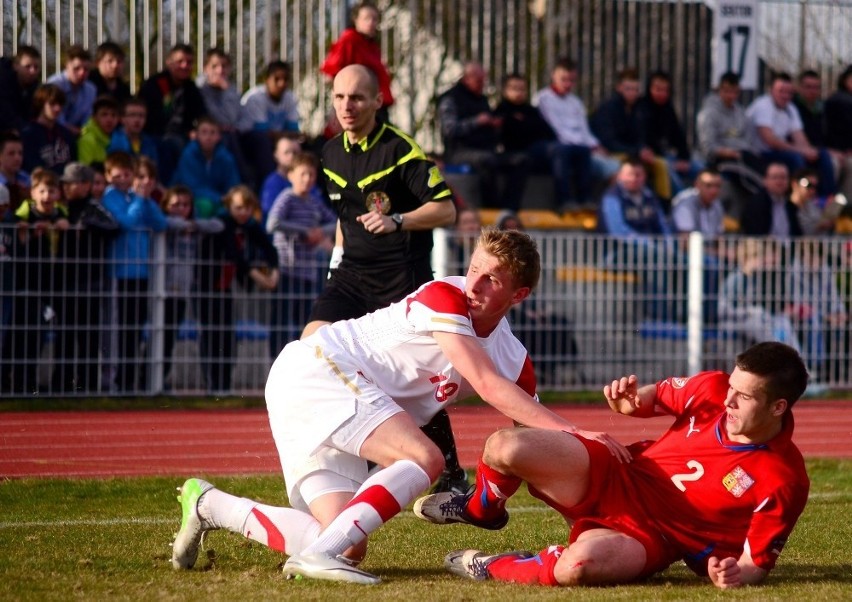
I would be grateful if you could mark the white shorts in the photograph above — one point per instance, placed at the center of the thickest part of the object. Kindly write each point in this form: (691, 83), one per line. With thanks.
(320, 413)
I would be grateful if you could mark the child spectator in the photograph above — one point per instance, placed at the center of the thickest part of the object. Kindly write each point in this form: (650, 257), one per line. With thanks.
(182, 242)
(107, 74)
(207, 167)
(220, 97)
(82, 282)
(145, 182)
(130, 136)
(300, 225)
(129, 260)
(242, 251)
(99, 182)
(79, 92)
(41, 224)
(47, 143)
(286, 147)
(95, 136)
(267, 109)
(270, 106)
(16, 180)
(358, 45)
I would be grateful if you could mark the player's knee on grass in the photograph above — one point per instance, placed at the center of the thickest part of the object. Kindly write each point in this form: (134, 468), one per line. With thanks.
(600, 561)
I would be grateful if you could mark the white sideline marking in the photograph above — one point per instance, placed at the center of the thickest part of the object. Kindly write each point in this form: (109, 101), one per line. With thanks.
(175, 518)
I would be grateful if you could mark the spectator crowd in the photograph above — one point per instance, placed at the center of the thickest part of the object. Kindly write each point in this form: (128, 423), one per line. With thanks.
(91, 174)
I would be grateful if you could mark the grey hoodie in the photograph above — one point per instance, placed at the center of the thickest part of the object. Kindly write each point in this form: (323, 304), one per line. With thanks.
(721, 127)
(222, 105)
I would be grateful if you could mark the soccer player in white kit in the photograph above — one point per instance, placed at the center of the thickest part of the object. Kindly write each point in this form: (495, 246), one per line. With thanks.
(358, 390)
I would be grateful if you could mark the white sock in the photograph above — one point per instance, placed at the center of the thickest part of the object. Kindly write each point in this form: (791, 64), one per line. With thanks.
(380, 498)
(283, 529)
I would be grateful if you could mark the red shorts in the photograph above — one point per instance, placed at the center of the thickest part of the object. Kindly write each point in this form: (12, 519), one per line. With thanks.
(609, 504)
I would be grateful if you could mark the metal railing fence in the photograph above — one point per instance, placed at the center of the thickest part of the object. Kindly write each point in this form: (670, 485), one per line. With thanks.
(604, 308)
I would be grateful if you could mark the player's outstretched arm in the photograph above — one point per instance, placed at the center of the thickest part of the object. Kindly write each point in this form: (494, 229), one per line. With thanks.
(626, 397)
(473, 363)
(730, 572)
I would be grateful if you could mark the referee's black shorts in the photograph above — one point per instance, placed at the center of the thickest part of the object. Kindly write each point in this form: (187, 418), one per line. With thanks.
(351, 293)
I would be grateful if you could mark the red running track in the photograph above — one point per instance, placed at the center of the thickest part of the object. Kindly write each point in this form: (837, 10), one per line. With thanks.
(209, 442)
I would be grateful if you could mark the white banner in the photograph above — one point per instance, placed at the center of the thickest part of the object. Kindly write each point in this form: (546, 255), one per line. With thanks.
(735, 41)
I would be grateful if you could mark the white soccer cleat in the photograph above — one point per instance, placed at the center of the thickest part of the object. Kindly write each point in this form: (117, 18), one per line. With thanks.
(447, 508)
(192, 526)
(473, 564)
(329, 568)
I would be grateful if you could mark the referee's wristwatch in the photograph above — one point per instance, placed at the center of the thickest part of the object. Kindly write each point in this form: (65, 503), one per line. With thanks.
(397, 219)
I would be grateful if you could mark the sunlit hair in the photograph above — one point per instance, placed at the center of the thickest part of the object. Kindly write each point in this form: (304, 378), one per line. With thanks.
(145, 165)
(44, 94)
(121, 160)
(780, 365)
(175, 191)
(304, 158)
(516, 252)
(44, 177)
(244, 192)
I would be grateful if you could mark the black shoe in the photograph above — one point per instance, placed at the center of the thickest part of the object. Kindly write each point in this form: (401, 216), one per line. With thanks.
(452, 482)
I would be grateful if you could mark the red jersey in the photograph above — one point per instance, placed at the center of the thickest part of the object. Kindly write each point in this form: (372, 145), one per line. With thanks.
(710, 496)
(353, 48)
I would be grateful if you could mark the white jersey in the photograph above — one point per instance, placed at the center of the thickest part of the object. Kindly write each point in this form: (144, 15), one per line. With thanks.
(395, 350)
(388, 356)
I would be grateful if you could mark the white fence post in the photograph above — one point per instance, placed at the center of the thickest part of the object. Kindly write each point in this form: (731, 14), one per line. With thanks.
(695, 303)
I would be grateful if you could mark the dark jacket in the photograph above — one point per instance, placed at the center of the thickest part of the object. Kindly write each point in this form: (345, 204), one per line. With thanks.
(15, 102)
(838, 120)
(756, 219)
(120, 93)
(84, 246)
(172, 108)
(523, 126)
(660, 128)
(49, 148)
(616, 127)
(457, 111)
(232, 253)
(813, 121)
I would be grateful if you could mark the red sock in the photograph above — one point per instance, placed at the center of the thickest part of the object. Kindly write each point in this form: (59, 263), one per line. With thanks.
(537, 570)
(492, 490)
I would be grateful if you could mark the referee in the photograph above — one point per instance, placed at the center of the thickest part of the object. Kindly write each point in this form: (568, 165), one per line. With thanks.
(388, 197)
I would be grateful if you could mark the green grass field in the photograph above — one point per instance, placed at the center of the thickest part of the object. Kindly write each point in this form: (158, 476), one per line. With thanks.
(110, 540)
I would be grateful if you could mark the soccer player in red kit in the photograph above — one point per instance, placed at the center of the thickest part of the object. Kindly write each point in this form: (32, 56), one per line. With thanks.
(722, 489)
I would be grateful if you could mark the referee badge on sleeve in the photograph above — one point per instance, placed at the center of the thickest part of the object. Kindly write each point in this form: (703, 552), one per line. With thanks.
(378, 201)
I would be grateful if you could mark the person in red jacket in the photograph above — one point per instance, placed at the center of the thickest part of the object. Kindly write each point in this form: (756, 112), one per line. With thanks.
(357, 45)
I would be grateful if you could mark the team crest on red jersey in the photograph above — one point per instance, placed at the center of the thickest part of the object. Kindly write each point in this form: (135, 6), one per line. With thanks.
(737, 481)
(680, 382)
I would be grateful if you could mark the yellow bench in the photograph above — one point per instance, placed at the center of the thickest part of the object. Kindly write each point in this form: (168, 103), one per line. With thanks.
(544, 219)
(844, 225)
